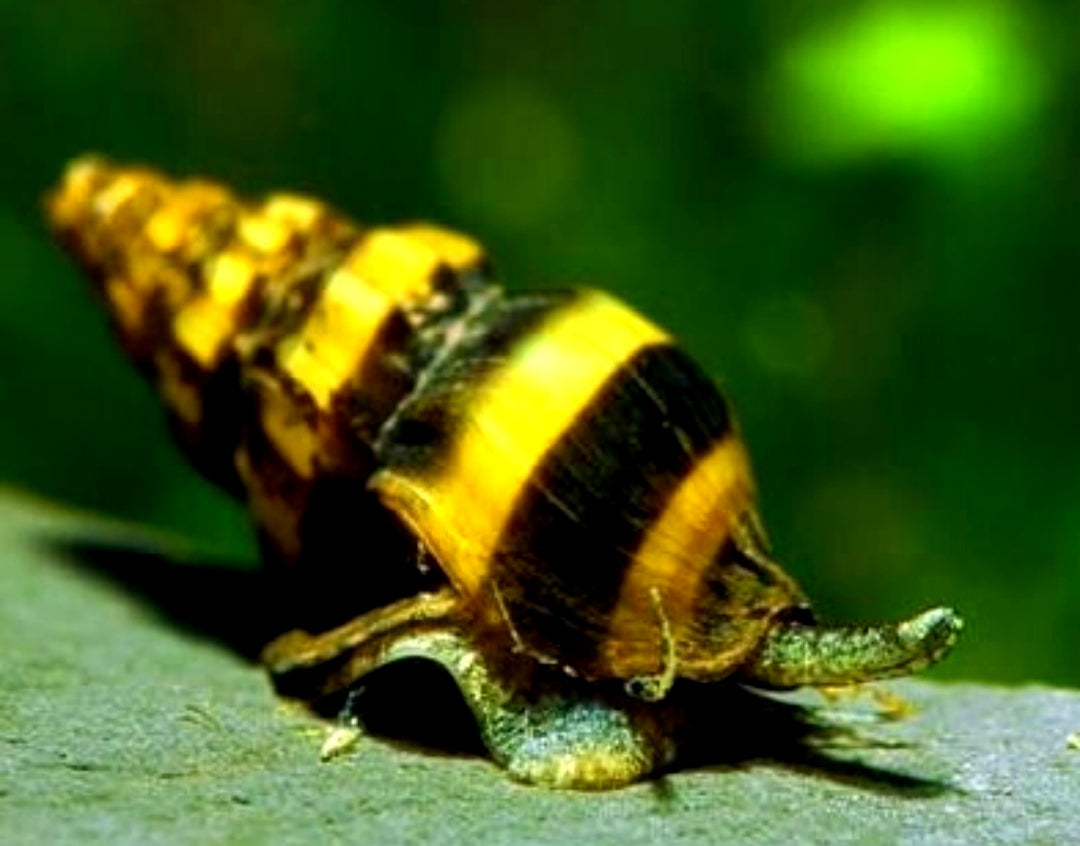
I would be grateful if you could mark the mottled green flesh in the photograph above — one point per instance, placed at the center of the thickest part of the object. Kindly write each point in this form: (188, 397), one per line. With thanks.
(794, 654)
(567, 735)
(543, 726)
(549, 729)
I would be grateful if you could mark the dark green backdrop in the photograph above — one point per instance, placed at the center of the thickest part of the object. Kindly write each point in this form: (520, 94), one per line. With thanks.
(861, 217)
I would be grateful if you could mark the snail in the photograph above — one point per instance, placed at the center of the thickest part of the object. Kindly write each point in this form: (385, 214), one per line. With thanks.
(540, 491)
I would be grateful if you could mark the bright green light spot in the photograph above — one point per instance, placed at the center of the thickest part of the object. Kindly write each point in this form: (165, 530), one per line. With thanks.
(909, 79)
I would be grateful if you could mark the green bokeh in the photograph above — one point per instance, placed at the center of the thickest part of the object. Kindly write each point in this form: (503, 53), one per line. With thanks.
(893, 312)
(927, 79)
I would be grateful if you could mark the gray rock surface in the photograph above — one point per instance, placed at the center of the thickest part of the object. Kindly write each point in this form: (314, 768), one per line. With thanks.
(123, 721)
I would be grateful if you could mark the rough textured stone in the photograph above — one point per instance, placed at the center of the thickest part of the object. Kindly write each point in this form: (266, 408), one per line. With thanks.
(129, 713)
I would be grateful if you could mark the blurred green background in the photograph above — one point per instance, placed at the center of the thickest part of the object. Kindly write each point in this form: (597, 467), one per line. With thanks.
(859, 216)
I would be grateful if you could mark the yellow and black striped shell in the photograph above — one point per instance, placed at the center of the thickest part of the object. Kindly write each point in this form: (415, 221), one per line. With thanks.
(382, 405)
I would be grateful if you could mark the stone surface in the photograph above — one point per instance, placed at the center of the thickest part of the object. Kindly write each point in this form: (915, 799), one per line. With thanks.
(130, 712)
